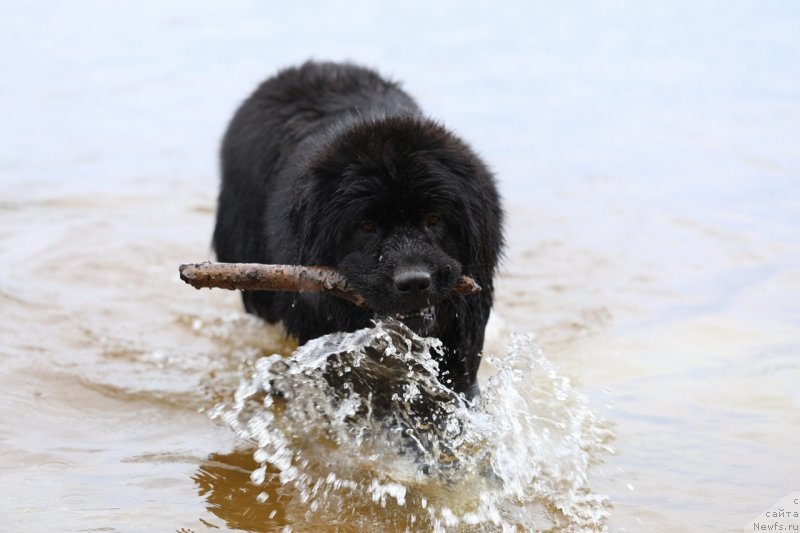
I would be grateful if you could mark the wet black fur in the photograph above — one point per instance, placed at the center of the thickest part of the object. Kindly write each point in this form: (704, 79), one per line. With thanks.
(321, 149)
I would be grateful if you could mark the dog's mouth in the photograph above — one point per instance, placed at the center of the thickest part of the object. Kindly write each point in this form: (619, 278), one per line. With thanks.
(419, 321)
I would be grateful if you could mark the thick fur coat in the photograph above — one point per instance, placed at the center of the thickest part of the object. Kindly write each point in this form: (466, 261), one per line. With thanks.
(330, 164)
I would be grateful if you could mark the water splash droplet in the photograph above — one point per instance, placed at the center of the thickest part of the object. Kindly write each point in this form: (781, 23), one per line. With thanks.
(359, 419)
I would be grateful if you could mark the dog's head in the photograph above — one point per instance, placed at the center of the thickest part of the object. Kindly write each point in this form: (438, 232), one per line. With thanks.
(396, 205)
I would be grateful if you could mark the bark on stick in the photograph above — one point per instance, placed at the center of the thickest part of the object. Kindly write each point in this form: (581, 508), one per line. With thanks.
(292, 278)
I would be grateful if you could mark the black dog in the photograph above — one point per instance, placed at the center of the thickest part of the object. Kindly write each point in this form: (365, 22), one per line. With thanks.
(329, 164)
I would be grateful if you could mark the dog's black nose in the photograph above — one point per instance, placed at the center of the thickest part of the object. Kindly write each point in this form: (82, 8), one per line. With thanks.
(415, 279)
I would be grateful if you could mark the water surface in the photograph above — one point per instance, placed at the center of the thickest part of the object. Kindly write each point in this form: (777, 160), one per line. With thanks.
(648, 159)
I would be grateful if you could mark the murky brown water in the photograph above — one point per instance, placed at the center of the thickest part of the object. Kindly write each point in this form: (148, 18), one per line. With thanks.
(654, 249)
(107, 359)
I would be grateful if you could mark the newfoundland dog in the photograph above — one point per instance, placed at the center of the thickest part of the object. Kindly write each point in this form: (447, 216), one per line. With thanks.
(330, 164)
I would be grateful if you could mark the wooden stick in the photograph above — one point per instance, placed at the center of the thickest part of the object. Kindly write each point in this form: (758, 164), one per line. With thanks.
(292, 278)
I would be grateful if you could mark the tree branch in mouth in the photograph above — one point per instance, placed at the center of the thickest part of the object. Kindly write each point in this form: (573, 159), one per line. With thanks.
(291, 278)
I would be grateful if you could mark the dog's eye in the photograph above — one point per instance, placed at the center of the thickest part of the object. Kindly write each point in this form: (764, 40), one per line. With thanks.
(432, 220)
(368, 226)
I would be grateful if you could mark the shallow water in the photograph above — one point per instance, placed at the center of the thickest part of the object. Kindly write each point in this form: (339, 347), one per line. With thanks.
(361, 421)
(648, 159)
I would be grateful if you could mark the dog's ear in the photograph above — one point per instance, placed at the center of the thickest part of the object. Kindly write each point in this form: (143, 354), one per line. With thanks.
(491, 233)
(301, 222)
(486, 216)
(482, 220)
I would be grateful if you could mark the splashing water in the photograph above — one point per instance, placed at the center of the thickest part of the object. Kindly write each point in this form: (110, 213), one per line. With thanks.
(358, 425)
